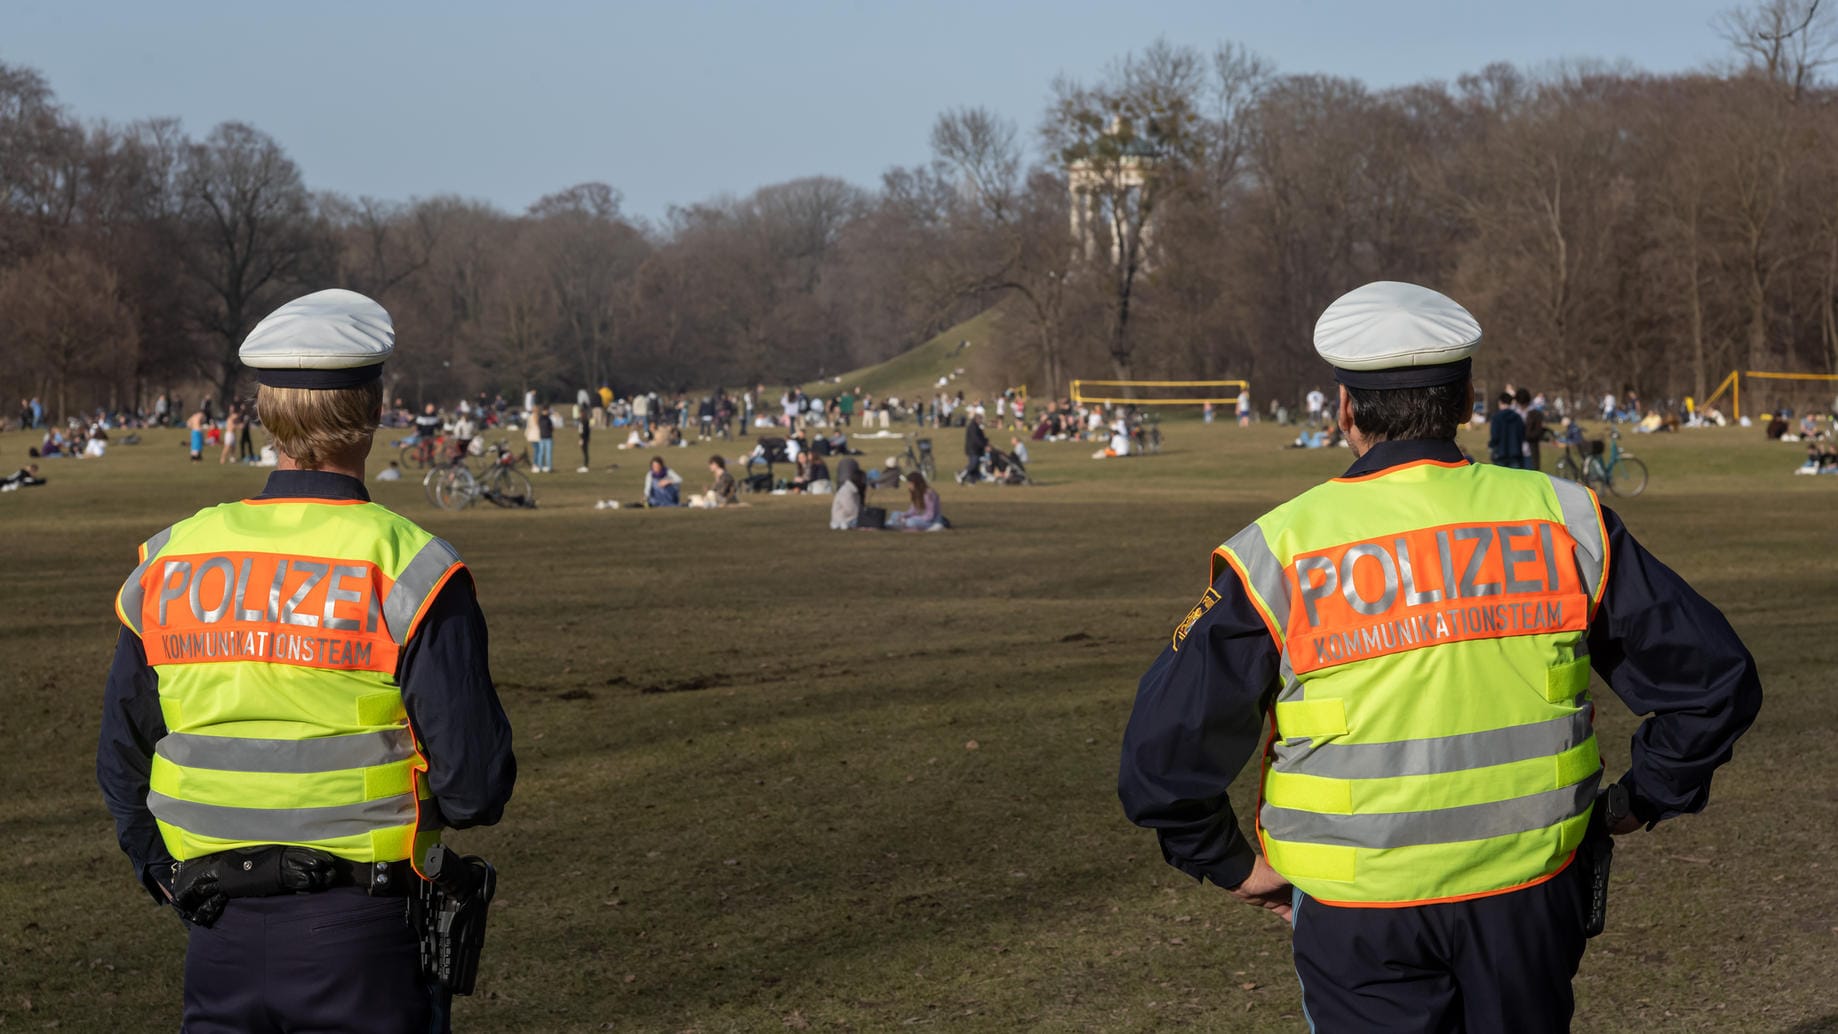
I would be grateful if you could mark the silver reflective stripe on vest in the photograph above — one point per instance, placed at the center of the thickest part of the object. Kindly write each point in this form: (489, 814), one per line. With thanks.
(1441, 826)
(134, 594)
(320, 754)
(1581, 520)
(282, 825)
(1435, 755)
(1292, 686)
(414, 584)
(1263, 571)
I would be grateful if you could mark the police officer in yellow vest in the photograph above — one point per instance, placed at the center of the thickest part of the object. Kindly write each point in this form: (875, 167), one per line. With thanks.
(1419, 635)
(300, 701)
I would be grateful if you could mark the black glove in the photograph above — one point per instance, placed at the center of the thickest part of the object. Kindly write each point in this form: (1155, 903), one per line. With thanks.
(203, 886)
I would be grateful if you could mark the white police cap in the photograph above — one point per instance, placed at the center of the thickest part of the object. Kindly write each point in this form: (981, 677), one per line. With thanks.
(327, 339)
(1394, 335)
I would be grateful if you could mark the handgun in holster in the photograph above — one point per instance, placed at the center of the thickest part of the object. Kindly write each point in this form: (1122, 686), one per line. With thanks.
(449, 910)
(1596, 853)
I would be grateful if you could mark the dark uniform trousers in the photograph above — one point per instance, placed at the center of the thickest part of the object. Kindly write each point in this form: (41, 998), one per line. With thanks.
(1494, 964)
(336, 962)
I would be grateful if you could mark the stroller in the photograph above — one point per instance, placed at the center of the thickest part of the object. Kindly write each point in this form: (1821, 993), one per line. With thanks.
(1005, 468)
(769, 449)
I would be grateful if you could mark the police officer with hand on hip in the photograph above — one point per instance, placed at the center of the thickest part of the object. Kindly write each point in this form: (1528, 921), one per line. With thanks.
(300, 700)
(1420, 634)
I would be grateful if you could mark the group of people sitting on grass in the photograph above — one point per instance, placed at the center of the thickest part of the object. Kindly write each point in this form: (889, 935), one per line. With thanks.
(83, 441)
(849, 510)
(664, 487)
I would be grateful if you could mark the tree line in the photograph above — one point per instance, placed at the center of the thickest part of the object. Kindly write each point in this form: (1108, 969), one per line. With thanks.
(1184, 213)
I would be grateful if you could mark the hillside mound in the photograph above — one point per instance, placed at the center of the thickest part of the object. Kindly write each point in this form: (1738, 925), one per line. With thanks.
(978, 357)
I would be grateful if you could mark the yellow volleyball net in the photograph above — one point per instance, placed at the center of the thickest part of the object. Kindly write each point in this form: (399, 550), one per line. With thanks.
(1774, 389)
(1158, 393)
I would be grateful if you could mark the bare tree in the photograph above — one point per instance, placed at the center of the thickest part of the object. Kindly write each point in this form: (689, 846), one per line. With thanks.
(63, 311)
(590, 256)
(381, 243)
(1127, 143)
(252, 236)
(1788, 41)
(985, 150)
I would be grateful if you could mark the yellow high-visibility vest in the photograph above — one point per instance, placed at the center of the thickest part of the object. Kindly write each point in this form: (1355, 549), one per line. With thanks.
(274, 627)
(1432, 737)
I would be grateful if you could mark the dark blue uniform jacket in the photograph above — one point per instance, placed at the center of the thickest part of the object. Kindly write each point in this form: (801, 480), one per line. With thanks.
(1200, 711)
(446, 685)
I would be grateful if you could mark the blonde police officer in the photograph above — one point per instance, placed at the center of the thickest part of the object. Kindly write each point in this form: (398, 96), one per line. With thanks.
(300, 701)
(1419, 634)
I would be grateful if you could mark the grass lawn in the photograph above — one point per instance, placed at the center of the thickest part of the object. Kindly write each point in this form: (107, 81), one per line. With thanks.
(914, 373)
(774, 777)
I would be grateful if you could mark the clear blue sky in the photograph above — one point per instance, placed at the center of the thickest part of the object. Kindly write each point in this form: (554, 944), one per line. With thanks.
(675, 102)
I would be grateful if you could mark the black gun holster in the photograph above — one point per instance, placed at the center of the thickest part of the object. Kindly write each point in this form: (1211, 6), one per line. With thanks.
(448, 911)
(1595, 854)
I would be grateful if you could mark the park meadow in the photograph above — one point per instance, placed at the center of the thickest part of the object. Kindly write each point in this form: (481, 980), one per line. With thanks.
(776, 777)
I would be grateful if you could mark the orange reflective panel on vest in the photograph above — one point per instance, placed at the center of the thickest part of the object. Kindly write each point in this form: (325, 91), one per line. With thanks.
(313, 612)
(1428, 586)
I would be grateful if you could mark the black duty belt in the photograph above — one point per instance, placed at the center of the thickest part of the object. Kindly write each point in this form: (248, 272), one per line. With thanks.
(378, 879)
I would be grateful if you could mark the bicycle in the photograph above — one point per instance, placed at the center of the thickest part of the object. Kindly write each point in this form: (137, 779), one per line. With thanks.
(918, 456)
(1612, 467)
(422, 453)
(498, 452)
(455, 487)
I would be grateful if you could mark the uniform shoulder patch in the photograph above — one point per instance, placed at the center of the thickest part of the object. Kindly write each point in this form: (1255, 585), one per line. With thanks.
(1199, 611)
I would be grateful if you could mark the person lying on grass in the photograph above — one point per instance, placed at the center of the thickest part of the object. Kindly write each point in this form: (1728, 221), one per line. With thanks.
(24, 477)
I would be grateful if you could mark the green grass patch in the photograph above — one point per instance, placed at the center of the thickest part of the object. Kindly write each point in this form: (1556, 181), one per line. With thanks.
(915, 372)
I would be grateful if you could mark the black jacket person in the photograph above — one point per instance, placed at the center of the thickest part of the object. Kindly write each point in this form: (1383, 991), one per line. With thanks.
(300, 701)
(1418, 635)
(976, 443)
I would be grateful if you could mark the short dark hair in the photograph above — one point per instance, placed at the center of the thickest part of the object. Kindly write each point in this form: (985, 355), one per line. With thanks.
(719, 462)
(1505, 399)
(1400, 413)
(1523, 396)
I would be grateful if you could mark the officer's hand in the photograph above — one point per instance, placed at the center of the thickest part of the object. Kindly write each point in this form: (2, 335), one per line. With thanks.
(1266, 888)
(302, 868)
(197, 892)
(204, 886)
(1627, 824)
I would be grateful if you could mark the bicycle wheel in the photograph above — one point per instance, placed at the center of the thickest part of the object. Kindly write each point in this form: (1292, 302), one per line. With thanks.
(410, 458)
(454, 488)
(1628, 477)
(429, 482)
(509, 487)
(1566, 469)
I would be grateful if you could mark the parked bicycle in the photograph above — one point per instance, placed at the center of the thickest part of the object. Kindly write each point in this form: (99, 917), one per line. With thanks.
(918, 456)
(454, 487)
(422, 453)
(1604, 465)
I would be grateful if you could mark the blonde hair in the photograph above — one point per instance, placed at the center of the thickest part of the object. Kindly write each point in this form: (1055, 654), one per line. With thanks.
(311, 425)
